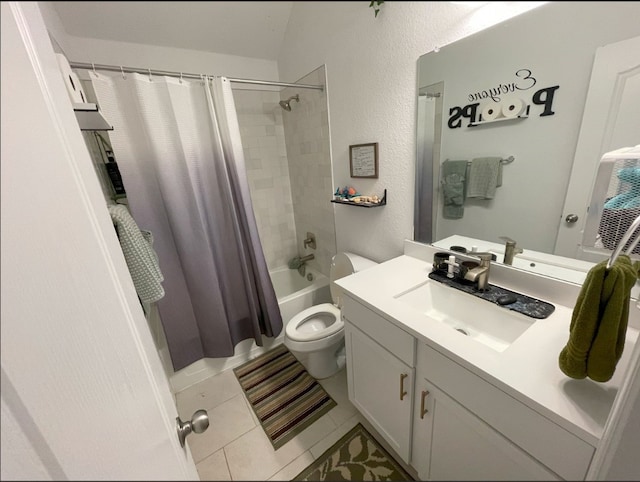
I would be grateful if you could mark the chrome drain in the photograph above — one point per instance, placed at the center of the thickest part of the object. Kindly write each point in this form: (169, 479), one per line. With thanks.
(462, 331)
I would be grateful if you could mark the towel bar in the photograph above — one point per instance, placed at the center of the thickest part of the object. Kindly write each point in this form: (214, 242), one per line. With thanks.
(627, 235)
(506, 160)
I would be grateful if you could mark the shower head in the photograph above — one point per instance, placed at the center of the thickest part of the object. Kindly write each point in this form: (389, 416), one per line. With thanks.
(286, 104)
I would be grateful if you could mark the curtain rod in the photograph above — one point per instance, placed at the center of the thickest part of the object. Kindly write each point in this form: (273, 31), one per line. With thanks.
(131, 70)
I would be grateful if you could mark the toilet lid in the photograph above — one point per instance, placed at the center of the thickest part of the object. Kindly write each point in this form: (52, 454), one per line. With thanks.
(315, 323)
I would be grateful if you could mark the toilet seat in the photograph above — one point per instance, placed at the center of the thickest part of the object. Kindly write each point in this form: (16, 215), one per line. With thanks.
(315, 323)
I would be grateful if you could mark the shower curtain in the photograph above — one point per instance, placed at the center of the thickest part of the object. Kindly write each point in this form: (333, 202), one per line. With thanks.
(178, 147)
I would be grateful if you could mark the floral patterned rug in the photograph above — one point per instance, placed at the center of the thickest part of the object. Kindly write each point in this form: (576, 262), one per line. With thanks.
(356, 456)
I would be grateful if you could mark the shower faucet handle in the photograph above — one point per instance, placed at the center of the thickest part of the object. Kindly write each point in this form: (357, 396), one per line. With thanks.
(310, 241)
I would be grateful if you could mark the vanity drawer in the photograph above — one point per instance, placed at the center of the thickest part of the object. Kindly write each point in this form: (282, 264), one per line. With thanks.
(559, 450)
(392, 338)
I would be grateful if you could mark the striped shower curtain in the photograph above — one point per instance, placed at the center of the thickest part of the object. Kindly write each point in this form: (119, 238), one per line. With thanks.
(178, 147)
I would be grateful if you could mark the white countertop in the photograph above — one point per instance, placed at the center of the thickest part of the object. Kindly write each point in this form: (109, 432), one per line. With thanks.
(527, 370)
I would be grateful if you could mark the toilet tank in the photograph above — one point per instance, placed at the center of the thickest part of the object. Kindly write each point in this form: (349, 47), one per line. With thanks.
(345, 264)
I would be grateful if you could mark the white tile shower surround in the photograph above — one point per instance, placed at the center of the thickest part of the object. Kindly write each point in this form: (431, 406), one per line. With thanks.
(235, 447)
(262, 133)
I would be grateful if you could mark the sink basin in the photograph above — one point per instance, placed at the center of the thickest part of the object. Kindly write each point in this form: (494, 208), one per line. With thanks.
(492, 325)
(573, 274)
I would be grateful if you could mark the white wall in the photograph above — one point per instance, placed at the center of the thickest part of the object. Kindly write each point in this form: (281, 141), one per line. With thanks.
(371, 74)
(79, 49)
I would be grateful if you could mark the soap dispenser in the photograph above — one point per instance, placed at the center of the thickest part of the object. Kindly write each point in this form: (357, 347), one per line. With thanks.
(452, 265)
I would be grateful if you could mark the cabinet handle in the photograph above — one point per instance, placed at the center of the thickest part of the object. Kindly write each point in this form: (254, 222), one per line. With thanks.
(423, 410)
(402, 391)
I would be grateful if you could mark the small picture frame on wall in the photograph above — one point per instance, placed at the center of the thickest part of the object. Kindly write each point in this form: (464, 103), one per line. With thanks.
(363, 160)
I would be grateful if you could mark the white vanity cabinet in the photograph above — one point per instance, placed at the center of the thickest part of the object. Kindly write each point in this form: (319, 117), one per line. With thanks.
(380, 376)
(444, 419)
(469, 416)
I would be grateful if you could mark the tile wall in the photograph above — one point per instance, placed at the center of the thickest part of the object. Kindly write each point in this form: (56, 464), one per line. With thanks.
(262, 133)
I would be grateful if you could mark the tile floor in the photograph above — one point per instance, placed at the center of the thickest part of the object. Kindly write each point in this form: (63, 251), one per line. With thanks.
(235, 446)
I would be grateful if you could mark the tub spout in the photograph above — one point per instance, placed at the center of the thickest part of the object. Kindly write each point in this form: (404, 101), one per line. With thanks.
(306, 258)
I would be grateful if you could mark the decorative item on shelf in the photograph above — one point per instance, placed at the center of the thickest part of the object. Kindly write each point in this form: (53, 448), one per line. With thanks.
(359, 199)
(346, 192)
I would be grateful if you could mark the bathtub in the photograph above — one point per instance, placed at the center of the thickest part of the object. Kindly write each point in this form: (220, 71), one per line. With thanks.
(294, 293)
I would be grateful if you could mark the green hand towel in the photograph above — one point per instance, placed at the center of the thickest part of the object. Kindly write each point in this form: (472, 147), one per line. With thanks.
(599, 321)
(454, 174)
(485, 175)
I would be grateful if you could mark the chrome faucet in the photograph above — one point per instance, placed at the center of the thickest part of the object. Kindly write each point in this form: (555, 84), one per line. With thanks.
(306, 258)
(510, 250)
(478, 272)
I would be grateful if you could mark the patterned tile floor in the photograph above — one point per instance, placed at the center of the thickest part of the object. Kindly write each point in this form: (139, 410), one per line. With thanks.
(235, 446)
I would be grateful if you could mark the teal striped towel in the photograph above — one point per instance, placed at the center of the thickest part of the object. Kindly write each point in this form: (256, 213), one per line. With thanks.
(141, 259)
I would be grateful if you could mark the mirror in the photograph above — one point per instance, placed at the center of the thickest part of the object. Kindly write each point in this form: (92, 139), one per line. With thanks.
(536, 71)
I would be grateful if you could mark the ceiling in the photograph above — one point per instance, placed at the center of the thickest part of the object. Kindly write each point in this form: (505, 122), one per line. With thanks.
(247, 29)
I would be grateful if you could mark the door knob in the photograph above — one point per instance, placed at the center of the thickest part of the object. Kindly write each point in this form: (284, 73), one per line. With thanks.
(198, 424)
(571, 218)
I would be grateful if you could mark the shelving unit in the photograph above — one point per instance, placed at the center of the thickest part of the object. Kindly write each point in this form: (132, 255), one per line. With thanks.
(90, 118)
(382, 202)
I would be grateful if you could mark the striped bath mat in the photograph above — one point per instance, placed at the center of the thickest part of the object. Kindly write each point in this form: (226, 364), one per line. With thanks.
(284, 397)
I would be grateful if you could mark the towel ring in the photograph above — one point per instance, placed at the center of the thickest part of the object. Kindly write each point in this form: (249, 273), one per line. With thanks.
(627, 235)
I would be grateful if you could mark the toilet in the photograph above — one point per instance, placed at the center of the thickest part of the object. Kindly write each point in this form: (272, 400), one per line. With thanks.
(315, 336)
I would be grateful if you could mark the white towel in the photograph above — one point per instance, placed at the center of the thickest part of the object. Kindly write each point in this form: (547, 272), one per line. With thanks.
(485, 175)
(138, 252)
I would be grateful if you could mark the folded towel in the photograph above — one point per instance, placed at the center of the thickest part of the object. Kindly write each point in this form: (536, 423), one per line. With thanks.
(454, 175)
(485, 175)
(139, 254)
(599, 321)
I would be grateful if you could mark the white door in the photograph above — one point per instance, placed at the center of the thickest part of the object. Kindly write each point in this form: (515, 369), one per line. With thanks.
(611, 120)
(84, 395)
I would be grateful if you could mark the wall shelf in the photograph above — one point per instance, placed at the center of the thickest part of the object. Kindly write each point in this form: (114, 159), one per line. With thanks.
(382, 202)
(480, 123)
(501, 119)
(90, 118)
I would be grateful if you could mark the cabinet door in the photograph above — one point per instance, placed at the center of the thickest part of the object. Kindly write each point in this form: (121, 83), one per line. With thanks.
(381, 388)
(463, 447)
